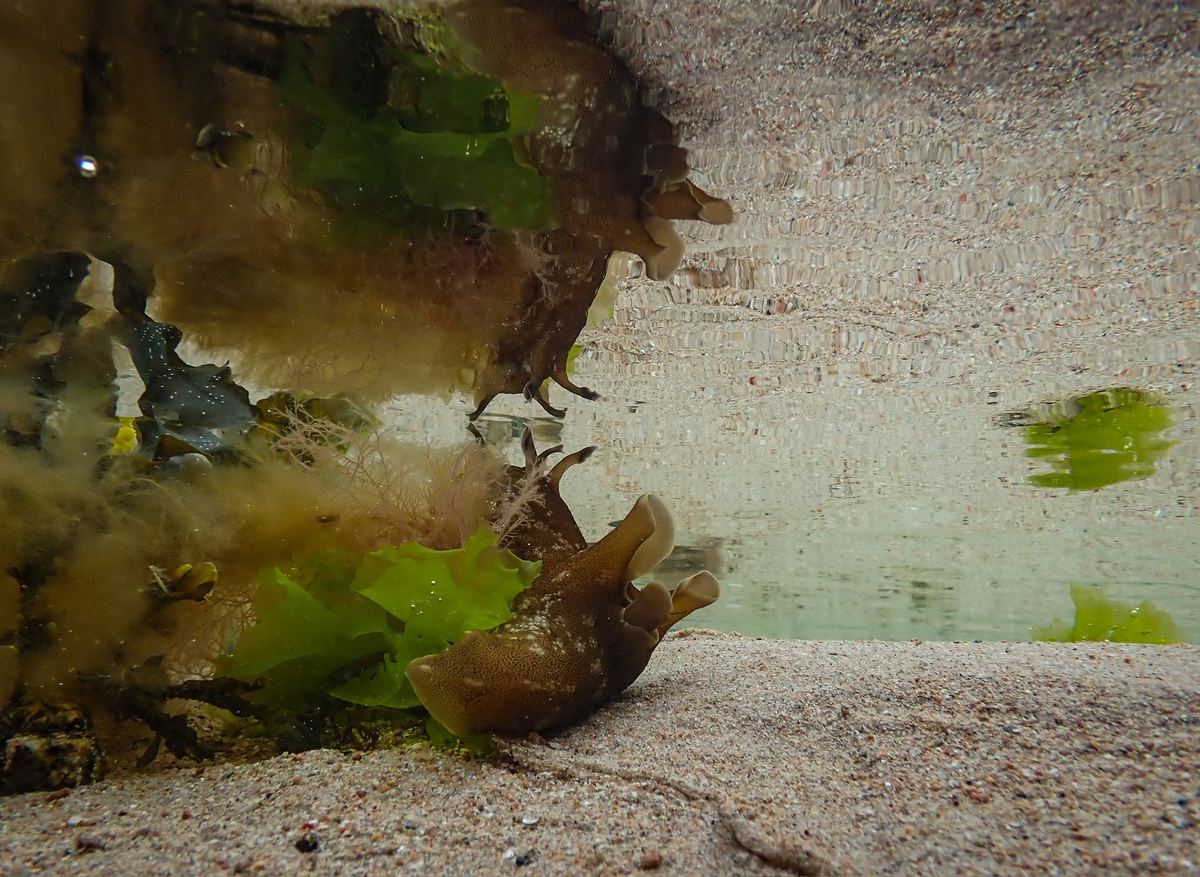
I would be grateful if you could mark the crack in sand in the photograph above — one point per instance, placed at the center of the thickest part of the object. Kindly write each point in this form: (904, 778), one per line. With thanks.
(787, 852)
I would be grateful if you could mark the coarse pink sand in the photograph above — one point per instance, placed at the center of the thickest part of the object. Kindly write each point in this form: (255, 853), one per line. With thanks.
(730, 756)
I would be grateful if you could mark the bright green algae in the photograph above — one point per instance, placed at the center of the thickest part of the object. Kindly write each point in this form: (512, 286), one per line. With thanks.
(1102, 439)
(1101, 619)
(446, 141)
(347, 624)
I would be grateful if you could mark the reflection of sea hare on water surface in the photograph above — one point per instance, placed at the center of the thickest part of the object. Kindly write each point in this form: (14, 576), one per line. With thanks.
(1100, 619)
(1100, 439)
(252, 172)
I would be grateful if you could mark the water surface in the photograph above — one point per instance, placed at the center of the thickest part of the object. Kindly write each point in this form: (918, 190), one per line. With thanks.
(928, 247)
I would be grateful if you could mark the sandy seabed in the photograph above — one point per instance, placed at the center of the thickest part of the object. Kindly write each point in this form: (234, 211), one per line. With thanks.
(730, 756)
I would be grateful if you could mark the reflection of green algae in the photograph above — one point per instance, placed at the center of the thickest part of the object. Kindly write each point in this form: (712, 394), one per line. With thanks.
(1100, 439)
(1099, 619)
(452, 142)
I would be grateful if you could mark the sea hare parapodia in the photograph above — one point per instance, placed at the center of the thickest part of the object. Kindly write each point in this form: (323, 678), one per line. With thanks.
(579, 636)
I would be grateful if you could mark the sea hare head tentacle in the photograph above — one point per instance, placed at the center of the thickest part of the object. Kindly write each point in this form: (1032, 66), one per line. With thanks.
(691, 594)
(715, 211)
(661, 541)
(600, 574)
(686, 200)
(650, 609)
(662, 263)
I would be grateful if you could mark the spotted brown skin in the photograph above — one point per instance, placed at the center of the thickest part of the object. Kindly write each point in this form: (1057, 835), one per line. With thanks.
(579, 635)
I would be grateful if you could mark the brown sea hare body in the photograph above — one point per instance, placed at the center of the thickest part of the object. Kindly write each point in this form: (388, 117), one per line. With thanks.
(579, 636)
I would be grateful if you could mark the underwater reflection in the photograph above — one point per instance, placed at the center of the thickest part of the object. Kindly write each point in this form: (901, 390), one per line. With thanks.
(1099, 439)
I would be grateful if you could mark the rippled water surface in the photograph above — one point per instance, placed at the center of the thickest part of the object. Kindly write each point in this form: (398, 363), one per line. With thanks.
(834, 395)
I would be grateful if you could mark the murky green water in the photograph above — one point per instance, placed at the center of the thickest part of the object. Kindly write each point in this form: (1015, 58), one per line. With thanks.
(845, 513)
(836, 394)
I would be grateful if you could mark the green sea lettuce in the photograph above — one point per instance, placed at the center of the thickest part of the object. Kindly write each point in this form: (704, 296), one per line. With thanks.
(347, 624)
(1101, 619)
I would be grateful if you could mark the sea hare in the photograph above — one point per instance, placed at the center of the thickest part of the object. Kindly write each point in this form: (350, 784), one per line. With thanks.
(579, 636)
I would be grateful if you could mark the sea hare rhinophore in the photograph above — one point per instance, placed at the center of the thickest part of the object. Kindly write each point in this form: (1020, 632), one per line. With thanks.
(578, 637)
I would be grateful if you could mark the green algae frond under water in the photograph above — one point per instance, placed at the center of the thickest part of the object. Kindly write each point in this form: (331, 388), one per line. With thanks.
(1101, 439)
(1101, 619)
(347, 624)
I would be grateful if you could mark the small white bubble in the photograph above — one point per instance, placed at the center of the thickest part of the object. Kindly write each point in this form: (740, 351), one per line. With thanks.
(87, 166)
